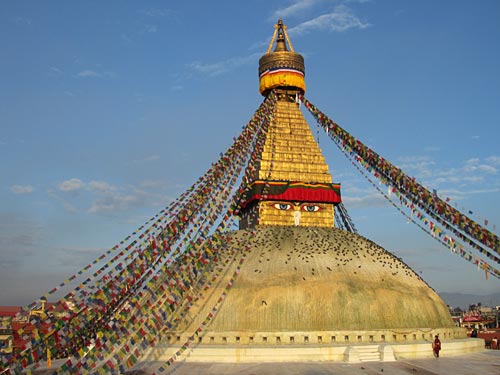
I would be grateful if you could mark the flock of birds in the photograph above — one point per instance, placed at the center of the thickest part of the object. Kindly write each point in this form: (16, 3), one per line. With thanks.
(314, 251)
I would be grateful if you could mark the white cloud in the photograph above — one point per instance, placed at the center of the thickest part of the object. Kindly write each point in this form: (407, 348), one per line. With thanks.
(218, 68)
(88, 73)
(493, 160)
(262, 45)
(351, 189)
(54, 71)
(113, 203)
(473, 165)
(456, 195)
(472, 161)
(177, 88)
(292, 10)
(67, 206)
(473, 171)
(371, 200)
(125, 38)
(341, 19)
(487, 169)
(22, 189)
(456, 178)
(73, 184)
(155, 12)
(96, 197)
(22, 21)
(419, 164)
(483, 191)
(101, 186)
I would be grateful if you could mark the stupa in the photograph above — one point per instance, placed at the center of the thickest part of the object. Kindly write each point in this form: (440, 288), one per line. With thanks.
(306, 290)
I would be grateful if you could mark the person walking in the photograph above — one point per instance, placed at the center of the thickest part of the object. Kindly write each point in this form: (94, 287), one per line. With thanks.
(436, 346)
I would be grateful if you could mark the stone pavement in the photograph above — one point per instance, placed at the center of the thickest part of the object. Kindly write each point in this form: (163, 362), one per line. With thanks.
(486, 362)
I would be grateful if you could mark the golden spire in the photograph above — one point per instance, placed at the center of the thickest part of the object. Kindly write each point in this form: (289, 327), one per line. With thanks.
(293, 184)
(282, 68)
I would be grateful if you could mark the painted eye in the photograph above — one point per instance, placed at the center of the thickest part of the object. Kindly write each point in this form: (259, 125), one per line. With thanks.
(282, 206)
(310, 208)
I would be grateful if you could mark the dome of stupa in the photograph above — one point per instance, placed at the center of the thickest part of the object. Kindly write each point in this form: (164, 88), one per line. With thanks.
(314, 279)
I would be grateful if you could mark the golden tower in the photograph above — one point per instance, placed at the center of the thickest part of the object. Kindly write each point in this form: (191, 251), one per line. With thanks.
(293, 184)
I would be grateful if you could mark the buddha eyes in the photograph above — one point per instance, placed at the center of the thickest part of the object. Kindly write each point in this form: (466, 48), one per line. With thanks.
(304, 207)
(310, 208)
(283, 206)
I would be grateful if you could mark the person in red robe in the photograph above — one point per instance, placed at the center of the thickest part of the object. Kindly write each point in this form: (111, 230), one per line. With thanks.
(436, 346)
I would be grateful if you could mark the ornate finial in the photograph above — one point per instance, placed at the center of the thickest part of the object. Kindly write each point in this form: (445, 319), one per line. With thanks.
(283, 67)
(280, 29)
(280, 42)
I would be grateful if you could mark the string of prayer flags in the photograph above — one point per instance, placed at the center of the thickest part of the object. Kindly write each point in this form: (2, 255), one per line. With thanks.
(437, 228)
(405, 184)
(125, 306)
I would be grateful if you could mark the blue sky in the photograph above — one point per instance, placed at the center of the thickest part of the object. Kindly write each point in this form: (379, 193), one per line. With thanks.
(109, 110)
